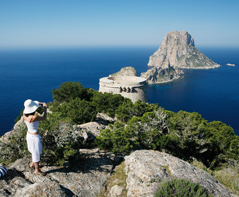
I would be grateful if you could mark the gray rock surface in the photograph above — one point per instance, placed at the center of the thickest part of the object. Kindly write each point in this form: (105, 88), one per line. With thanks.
(177, 51)
(126, 71)
(115, 191)
(90, 130)
(86, 178)
(160, 75)
(41, 189)
(145, 167)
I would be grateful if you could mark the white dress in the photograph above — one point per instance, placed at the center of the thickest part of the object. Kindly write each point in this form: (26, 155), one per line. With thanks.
(34, 141)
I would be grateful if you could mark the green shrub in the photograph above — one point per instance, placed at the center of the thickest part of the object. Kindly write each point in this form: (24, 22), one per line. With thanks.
(145, 131)
(181, 188)
(107, 102)
(77, 110)
(148, 129)
(128, 110)
(59, 140)
(15, 147)
(58, 137)
(181, 134)
(71, 90)
(224, 143)
(189, 132)
(115, 139)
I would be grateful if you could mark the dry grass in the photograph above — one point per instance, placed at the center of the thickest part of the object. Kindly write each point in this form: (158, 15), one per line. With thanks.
(118, 177)
(229, 177)
(167, 169)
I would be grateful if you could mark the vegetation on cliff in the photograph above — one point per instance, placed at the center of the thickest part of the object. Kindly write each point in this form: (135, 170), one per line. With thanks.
(181, 188)
(138, 126)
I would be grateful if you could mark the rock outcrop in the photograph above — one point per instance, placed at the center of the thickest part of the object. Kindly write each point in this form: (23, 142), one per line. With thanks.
(85, 178)
(162, 75)
(177, 51)
(146, 168)
(126, 71)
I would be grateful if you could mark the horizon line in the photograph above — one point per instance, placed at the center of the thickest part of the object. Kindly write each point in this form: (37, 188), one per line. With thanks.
(99, 46)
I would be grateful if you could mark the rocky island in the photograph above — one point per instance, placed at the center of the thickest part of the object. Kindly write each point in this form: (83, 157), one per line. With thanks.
(176, 52)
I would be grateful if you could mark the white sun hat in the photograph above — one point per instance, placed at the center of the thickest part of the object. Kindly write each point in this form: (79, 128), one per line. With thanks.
(30, 106)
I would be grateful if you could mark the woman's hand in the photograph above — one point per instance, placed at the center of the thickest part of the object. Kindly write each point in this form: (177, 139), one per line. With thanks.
(44, 114)
(44, 104)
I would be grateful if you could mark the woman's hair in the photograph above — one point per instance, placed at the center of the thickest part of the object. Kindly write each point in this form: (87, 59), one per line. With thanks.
(33, 113)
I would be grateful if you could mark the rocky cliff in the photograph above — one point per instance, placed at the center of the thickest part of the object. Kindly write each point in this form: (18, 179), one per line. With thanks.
(177, 51)
(144, 169)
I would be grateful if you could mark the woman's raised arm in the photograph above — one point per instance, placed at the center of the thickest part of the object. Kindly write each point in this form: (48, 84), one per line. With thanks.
(38, 118)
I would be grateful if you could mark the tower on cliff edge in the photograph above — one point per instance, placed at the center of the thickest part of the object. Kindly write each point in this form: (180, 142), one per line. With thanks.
(131, 87)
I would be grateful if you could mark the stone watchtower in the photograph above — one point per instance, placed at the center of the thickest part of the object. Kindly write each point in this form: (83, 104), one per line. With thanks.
(131, 87)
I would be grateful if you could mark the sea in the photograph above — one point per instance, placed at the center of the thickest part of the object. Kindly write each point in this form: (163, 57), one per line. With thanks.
(33, 73)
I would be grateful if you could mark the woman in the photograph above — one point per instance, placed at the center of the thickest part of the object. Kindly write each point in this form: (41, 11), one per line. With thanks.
(33, 138)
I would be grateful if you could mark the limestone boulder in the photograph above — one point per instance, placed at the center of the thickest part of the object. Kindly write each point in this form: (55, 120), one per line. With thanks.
(146, 168)
(87, 132)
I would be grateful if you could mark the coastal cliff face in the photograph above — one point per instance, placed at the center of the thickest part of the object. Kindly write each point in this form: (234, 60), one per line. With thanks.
(177, 51)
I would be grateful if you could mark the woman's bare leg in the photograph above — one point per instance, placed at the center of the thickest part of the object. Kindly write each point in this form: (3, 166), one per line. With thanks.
(32, 164)
(37, 169)
(36, 164)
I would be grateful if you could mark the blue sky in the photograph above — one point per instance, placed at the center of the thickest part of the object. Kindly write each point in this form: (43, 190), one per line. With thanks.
(77, 23)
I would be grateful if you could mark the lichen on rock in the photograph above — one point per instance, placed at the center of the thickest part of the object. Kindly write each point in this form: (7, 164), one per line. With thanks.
(146, 168)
